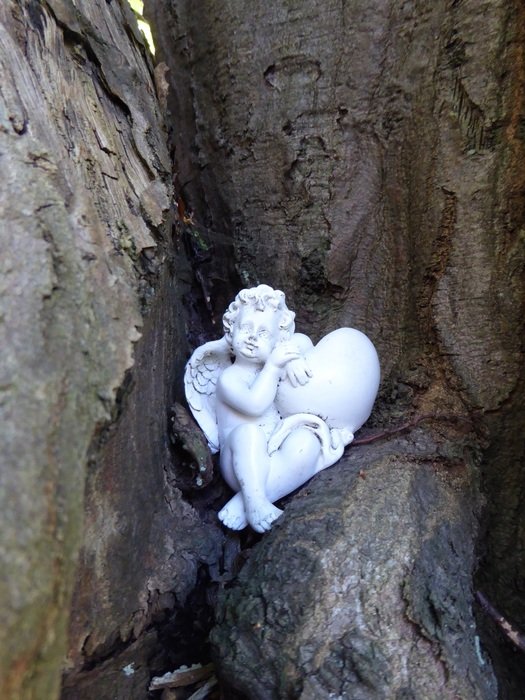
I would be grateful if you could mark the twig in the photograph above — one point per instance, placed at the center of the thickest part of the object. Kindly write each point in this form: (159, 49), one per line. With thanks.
(406, 426)
(184, 430)
(182, 676)
(508, 630)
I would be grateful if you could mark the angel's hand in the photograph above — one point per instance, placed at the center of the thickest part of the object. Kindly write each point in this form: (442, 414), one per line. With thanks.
(298, 372)
(283, 354)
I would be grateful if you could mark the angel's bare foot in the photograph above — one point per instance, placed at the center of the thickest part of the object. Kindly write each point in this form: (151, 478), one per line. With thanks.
(262, 514)
(233, 514)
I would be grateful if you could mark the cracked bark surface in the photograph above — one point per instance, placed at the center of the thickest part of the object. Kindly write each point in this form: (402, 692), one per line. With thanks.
(92, 336)
(364, 157)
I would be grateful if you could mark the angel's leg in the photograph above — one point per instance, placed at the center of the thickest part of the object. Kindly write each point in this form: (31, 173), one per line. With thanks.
(293, 464)
(233, 514)
(246, 465)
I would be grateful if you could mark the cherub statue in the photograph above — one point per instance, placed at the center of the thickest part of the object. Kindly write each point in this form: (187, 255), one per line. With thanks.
(278, 409)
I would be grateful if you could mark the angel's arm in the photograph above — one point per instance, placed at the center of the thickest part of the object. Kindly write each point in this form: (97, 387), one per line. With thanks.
(302, 342)
(254, 399)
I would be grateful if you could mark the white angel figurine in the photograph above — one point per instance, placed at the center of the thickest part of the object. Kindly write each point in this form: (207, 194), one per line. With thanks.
(278, 409)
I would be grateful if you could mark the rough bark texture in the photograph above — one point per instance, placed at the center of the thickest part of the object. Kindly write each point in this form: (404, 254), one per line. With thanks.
(376, 581)
(87, 285)
(367, 158)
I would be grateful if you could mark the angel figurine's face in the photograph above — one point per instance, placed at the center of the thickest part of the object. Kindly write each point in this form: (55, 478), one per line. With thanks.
(255, 334)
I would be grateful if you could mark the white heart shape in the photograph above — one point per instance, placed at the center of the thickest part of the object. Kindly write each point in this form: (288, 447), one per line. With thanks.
(344, 382)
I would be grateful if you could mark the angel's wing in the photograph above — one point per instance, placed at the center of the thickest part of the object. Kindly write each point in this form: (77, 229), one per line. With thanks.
(200, 378)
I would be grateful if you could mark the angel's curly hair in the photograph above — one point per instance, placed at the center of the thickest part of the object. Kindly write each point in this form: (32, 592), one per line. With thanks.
(260, 298)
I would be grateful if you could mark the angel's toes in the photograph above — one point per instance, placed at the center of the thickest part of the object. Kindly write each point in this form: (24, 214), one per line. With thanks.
(262, 518)
(233, 517)
(232, 521)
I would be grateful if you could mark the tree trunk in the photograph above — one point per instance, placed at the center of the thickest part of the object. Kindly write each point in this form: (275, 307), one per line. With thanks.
(366, 157)
(92, 344)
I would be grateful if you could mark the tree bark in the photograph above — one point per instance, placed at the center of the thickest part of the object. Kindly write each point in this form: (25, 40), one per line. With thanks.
(92, 336)
(365, 157)
(363, 590)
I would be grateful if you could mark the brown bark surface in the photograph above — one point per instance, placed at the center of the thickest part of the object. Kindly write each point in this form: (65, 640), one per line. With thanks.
(366, 157)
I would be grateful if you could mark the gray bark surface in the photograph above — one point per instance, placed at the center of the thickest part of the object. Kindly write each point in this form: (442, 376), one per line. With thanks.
(363, 589)
(91, 335)
(366, 157)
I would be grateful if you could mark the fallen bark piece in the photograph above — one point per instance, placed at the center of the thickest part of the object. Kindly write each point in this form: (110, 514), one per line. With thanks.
(182, 676)
(204, 690)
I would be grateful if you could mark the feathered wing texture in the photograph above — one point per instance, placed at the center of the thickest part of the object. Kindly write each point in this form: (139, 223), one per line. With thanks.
(200, 379)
